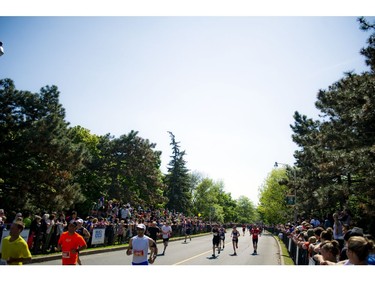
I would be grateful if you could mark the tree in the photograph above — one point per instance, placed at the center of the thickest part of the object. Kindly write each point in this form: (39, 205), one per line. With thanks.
(337, 153)
(245, 210)
(212, 202)
(178, 181)
(37, 156)
(272, 206)
(89, 177)
(125, 169)
(134, 171)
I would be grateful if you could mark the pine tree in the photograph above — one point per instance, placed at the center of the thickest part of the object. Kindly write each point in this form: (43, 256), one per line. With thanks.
(178, 180)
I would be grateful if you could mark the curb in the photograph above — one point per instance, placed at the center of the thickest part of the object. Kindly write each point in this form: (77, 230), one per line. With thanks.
(280, 250)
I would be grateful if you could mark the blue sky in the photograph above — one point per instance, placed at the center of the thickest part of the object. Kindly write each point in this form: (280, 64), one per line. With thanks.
(227, 87)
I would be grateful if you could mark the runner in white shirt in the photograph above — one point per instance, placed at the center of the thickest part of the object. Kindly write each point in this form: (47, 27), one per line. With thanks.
(139, 245)
(166, 231)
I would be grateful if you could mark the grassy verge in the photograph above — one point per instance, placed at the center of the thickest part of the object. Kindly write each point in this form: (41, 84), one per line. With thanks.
(285, 254)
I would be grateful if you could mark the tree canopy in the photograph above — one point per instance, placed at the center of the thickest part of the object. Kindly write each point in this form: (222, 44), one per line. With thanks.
(336, 155)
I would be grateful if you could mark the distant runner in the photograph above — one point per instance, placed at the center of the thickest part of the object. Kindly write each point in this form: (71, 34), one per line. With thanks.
(215, 240)
(255, 231)
(222, 232)
(166, 231)
(187, 226)
(235, 234)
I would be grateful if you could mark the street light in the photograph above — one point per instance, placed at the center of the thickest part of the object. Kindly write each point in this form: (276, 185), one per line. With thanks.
(1, 49)
(295, 189)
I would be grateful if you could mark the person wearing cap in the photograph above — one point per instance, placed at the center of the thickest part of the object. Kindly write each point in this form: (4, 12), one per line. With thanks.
(82, 230)
(139, 245)
(70, 244)
(14, 249)
(355, 231)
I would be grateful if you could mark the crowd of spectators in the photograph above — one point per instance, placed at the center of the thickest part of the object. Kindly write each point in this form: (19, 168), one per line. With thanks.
(119, 221)
(328, 241)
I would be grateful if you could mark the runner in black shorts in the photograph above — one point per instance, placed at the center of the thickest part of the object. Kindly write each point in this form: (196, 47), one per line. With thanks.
(222, 232)
(255, 233)
(215, 239)
(235, 234)
(187, 227)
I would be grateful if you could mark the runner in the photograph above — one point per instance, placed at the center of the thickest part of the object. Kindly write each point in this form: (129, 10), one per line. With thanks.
(71, 243)
(14, 248)
(153, 231)
(215, 240)
(166, 231)
(222, 232)
(81, 230)
(255, 233)
(235, 234)
(139, 245)
(187, 227)
(243, 229)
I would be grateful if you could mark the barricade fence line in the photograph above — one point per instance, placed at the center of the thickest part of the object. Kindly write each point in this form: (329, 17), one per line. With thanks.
(299, 255)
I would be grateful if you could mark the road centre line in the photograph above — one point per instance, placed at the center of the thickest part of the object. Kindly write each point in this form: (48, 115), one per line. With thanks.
(197, 256)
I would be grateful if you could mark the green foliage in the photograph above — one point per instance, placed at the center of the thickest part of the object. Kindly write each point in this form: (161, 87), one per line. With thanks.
(126, 169)
(37, 158)
(216, 205)
(336, 159)
(245, 211)
(45, 165)
(177, 181)
(272, 206)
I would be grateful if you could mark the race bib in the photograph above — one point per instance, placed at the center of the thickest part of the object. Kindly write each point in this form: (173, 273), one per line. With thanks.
(138, 253)
(65, 255)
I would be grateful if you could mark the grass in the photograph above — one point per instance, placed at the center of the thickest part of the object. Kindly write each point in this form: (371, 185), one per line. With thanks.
(285, 254)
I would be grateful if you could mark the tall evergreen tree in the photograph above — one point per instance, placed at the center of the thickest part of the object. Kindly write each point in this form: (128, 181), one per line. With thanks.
(178, 180)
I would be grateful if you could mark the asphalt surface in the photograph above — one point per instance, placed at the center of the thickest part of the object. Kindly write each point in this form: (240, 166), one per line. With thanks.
(92, 251)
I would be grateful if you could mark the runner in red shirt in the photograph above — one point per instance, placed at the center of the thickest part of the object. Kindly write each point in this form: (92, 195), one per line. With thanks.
(255, 233)
(70, 243)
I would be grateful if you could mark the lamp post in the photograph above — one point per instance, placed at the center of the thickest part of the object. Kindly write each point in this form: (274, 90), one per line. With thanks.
(295, 189)
(1, 49)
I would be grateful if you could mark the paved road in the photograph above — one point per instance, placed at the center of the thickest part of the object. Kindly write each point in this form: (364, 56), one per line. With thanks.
(195, 252)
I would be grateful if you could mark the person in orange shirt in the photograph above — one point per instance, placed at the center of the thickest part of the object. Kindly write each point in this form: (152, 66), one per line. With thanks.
(71, 243)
